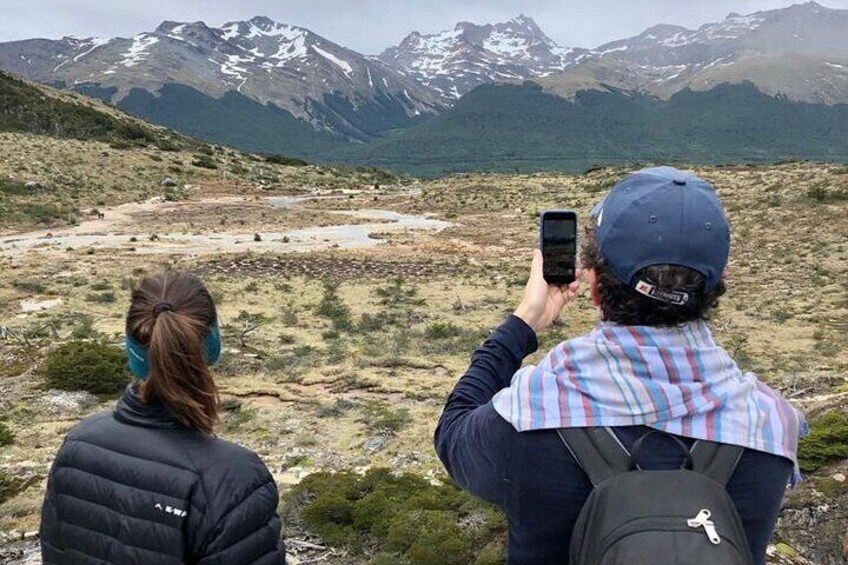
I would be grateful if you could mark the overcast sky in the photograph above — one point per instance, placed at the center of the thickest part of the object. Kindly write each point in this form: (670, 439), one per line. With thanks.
(369, 26)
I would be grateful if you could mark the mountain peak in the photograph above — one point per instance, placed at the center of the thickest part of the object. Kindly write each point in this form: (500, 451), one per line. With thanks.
(262, 21)
(455, 61)
(521, 18)
(169, 27)
(525, 22)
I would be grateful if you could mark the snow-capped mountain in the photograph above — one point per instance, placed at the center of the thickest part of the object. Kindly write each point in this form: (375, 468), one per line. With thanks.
(220, 82)
(800, 52)
(272, 63)
(455, 61)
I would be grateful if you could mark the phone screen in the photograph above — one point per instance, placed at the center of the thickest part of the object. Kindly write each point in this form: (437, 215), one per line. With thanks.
(559, 246)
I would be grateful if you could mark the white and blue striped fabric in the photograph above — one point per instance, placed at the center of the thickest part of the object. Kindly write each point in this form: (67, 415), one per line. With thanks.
(674, 379)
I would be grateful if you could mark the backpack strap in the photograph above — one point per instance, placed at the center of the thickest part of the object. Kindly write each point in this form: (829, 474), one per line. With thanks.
(597, 451)
(716, 460)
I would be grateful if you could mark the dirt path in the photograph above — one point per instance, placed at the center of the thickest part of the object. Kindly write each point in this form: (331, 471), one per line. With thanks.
(118, 230)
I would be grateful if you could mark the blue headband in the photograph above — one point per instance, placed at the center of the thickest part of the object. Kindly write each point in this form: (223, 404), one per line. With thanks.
(140, 365)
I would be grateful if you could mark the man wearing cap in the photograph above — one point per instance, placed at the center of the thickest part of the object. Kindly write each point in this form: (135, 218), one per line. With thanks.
(653, 256)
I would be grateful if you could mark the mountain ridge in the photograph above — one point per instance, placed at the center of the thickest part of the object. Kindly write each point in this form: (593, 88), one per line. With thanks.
(263, 85)
(291, 67)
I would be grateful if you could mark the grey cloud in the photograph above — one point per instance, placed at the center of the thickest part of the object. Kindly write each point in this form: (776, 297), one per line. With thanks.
(369, 26)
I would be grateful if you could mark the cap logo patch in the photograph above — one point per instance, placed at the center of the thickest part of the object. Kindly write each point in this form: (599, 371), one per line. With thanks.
(669, 296)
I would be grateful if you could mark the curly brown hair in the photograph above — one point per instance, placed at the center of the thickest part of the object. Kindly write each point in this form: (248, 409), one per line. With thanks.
(623, 305)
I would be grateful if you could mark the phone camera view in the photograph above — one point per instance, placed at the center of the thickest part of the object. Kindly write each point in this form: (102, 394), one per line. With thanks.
(559, 249)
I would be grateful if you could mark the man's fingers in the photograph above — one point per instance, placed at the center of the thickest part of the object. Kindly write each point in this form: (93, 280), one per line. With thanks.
(536, 268)
(538, 261)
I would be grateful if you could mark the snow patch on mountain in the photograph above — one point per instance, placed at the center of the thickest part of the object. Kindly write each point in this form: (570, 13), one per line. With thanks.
(94, 43)
(139, 49)
(341, 63)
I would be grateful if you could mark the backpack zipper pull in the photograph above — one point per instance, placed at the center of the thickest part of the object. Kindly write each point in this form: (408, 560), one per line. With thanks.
(702, 520)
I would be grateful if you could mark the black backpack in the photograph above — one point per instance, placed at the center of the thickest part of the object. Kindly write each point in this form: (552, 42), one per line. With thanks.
(672, 517)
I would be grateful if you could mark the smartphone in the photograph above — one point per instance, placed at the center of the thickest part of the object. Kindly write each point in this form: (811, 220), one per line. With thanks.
(558, 242)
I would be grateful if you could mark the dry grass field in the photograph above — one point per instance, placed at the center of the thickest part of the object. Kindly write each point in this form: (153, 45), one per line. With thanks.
(342, 342)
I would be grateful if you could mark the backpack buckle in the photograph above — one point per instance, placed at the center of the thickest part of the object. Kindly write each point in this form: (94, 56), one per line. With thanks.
(702, 520)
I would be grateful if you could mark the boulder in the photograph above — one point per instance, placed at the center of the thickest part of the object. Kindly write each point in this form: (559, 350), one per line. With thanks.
(374, 443)
(168, 182)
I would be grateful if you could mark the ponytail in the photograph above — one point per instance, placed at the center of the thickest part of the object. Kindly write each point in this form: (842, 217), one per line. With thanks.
(179, 374)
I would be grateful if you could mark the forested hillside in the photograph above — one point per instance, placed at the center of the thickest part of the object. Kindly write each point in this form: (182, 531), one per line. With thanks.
(27, 108)
(523, 128)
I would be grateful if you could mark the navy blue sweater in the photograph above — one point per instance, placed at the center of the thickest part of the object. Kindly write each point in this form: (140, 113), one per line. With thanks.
(532, 477)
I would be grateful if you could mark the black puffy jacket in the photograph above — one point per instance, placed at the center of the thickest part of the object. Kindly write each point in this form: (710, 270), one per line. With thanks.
(136, 486)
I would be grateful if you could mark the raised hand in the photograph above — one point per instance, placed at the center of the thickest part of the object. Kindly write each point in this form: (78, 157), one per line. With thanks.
(543, 302)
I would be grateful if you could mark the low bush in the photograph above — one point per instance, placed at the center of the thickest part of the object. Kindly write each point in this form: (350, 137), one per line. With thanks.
(93, 366)
(370, 323)
(33, 287)
(205, 162)
(101, 297)
(333, 307)
(9, 486)
(826, 442)
(442, 330)
(336, 410)
(397, 293)
(446, 338)
(293, 363)
(383, 419)
(6, 436)
(167, 145)
(283, 160)
(397, 519)
(235, 419)
(822, 192)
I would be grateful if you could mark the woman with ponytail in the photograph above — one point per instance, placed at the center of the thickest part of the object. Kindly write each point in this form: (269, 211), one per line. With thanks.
(149, 482)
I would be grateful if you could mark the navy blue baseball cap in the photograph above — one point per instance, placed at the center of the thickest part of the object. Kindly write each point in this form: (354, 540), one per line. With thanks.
(662, 216)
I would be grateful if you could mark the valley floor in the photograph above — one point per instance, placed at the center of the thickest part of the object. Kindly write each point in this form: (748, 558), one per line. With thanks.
(368, 301)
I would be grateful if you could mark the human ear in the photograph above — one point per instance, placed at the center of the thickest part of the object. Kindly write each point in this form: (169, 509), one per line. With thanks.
(592, 280)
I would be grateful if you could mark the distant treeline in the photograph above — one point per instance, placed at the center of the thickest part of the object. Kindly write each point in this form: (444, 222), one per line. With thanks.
(523, 128)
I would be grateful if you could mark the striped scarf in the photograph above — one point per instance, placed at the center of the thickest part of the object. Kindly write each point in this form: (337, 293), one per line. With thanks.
(677, 380)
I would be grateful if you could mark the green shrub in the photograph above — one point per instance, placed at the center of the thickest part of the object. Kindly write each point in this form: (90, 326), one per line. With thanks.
(235, 419)
(827, 441)
(93, 366)
(9, 486)
(33, 287)
(101, 297)
(333, 307)
(442, 330)
(335, 410)
(821, 192)
(398, 294)
(368, 323)
(167, 145)
(293, 363)
(84, 327)
(396, 519)
(383, 419)
(205, 162)
(283, 160)
(6, 436)
(446, 338)
(337, 351)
